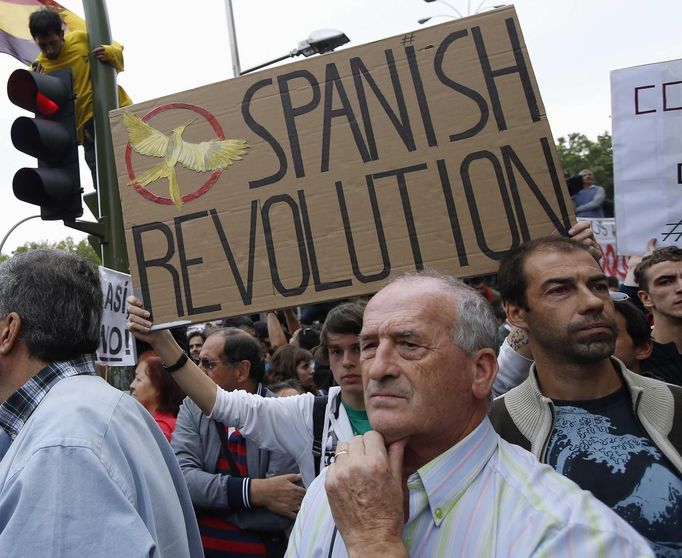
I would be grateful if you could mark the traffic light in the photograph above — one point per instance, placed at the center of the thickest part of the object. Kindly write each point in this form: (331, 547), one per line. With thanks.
(51, 138)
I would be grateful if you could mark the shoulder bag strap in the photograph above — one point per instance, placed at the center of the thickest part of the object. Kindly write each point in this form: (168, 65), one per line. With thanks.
(319, 408)
(226, 450)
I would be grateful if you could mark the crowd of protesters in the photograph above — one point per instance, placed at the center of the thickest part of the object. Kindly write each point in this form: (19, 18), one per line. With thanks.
(373, 432)
(416, 422)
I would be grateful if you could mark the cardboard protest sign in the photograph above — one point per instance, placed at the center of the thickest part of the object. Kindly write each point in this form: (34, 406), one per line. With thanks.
(646, 107)
(320, 179)
(116, 345)
(604, 231)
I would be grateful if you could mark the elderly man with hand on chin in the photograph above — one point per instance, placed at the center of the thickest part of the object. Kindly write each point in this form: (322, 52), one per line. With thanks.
(434, 479)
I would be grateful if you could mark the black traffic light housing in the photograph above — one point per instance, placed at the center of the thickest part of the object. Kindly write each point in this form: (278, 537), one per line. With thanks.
(51, 138)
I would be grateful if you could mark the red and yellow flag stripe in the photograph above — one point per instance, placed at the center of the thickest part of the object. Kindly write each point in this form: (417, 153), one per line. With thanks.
(15, 38)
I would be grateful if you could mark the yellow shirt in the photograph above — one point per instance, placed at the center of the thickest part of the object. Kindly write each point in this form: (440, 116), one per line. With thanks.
(75, 54)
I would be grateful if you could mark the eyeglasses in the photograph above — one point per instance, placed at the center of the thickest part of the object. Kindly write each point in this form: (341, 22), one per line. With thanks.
(618, 296)
(208, 364)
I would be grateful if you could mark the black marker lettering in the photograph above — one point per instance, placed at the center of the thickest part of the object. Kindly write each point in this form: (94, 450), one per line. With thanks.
(473, 207)
(407, 208)
(162, 262)
(246, 293)
(185, 264)
(261, 131)
(519, 68)
(312, 254)
(286, 199)
(667, 108)
(402, 123)
(333, 81)
(381, 238)
(291, 112)
(452, 213)
(463, 89)
(421, 96)
(109, 299)
(637, 90)
(511, 162)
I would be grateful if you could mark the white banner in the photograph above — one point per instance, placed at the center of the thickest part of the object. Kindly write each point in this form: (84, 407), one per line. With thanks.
(646, 107)
(605, 234)
(116, 345)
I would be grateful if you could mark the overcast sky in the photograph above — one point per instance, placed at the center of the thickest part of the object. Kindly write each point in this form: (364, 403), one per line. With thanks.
(573, 45)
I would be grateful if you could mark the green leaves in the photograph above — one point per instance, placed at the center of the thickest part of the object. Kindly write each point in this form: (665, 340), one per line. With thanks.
(81, 248)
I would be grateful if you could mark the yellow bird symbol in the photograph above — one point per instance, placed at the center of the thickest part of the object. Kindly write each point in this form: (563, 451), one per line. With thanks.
(200, 157)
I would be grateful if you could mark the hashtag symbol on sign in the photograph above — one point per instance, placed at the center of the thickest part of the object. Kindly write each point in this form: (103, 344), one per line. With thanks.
(675, 230)
(407, 39)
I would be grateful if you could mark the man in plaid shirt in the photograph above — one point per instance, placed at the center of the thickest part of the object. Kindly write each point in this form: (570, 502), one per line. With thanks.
(84, 469)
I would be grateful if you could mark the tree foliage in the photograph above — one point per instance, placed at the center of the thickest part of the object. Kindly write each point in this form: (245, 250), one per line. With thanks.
(81, 248)
(578, 152)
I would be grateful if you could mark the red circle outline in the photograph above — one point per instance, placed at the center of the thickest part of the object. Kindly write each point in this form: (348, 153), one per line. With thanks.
(204, 187)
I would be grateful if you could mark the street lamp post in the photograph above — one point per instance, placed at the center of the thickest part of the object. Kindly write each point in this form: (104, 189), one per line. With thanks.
(451, 6)
(232, 36)
(459, 14)
(423, 20)
(319, 42)
(4, 239)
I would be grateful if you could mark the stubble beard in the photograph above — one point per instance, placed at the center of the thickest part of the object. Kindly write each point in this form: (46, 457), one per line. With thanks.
(586, 351)
(590, 352)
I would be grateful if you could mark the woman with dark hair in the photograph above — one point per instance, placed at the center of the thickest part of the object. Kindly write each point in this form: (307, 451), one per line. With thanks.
(292, 362)
(157, 392)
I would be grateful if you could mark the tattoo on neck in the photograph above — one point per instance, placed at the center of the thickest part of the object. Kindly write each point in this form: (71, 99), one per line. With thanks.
(517, 339)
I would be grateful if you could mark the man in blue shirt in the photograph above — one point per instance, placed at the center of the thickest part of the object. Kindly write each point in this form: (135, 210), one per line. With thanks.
(85, 470)
(589, 201)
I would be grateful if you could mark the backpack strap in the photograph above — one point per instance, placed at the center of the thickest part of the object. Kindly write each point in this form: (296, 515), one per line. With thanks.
(319, 408)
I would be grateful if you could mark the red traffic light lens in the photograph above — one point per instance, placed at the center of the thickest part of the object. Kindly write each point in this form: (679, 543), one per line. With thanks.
(43, 94)
(45, 105)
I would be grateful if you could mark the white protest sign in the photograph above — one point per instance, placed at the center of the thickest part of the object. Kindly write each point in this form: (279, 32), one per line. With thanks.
(116, 345)
(646, 107)
(605, 234)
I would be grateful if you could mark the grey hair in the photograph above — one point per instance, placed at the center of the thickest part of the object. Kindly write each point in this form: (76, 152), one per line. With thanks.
(59, 299)
(474, 327)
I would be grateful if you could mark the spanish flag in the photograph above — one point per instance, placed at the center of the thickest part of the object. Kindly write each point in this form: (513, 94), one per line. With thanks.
(15, 38)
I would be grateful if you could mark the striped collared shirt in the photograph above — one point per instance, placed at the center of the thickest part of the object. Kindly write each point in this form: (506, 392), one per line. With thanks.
(20, 405)
(485, 497)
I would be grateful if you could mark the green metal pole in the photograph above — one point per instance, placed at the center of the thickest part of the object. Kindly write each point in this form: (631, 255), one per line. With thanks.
(105, 98)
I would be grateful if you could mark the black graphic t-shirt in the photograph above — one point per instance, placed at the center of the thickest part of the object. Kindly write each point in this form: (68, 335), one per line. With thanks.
(664, 364)
(600, 446)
